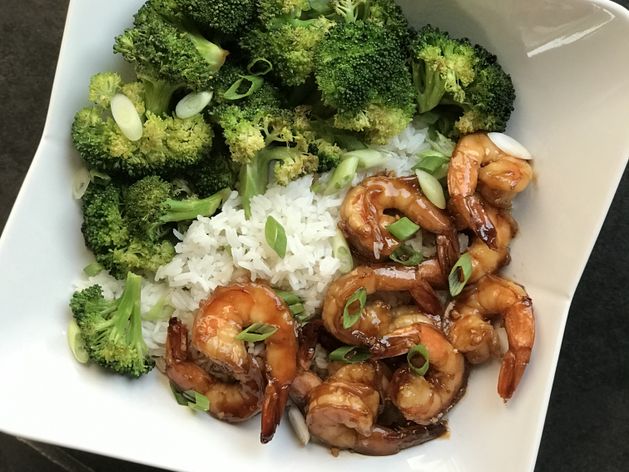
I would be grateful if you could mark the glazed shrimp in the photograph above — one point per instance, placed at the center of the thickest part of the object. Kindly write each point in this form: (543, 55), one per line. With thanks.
(374, 321)
(232, 401)
(478, 164)
(224, 315)
(364, 222)
(486, 260)
(343, 410)
(424, 399)
(471, 333)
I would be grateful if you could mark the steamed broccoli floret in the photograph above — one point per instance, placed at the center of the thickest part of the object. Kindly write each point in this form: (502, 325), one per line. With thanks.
(150, 204)
(112, 329)
(287, 39)
(462, 83)
(440, 65)
(161, 43)
(361, 72)
(252, 122)
(104, 227)
(383, 13)
(215, 172)
(107, 233)
(269, 10)
(167, 143)
(224, 16)
(289, 164)
(329, 155)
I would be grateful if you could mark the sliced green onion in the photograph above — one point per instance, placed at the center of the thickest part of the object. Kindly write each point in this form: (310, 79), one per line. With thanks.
(80, 182)
(406, 256)
(433, 162)
(192, 104)
(94, 174)
(303, 317)
(76, 343)
(350, 318)
(257, 332)
(460, 274)
(275, 236)
(340, 250)
(350, 354)
(297, 309)
(289, 297)
(93, 269)
(367, 158)
(254, 84)
(416, 351)
(191, 398)
(403, 229)
(342, 176)
(431, 188)
(254, 68)
(161, 311)
(126, 117)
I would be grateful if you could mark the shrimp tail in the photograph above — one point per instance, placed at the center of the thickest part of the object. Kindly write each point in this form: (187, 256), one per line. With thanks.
(275, 398)
(426, 298)
(511, 371)
(448, 249)
(477, 218)
(387, 441)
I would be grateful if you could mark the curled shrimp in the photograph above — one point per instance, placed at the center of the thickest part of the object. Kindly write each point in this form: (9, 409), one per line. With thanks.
(342, 412)
(478, 164)
(364, 221)
(424, 399)
(373, 328)
(486, 260)
(224, 315)
(472, 334)
(230, 400)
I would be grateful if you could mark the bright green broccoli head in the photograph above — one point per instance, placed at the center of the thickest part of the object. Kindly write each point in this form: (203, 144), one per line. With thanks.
(103, 86)
(249, 120)
(361, 72)
(167, 143)
(270, 10)
(490, 97)
(112, 329)
(224, 16)
(140, 255)
(441, 65)
(215, 172)
(462, 83)
(289, 45)
(152, 203)
(119, 244)
(104, 227)
(161, 44)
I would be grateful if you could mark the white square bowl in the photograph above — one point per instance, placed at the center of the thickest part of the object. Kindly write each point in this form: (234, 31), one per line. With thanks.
(572, 111)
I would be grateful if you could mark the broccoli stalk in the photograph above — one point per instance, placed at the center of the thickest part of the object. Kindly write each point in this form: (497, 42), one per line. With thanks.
(157, 94)
(150, 204)
(290, 163)
(191, 208)
(112, 329)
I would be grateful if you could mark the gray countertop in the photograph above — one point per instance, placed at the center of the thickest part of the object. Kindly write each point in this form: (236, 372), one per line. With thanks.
(587, 427)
